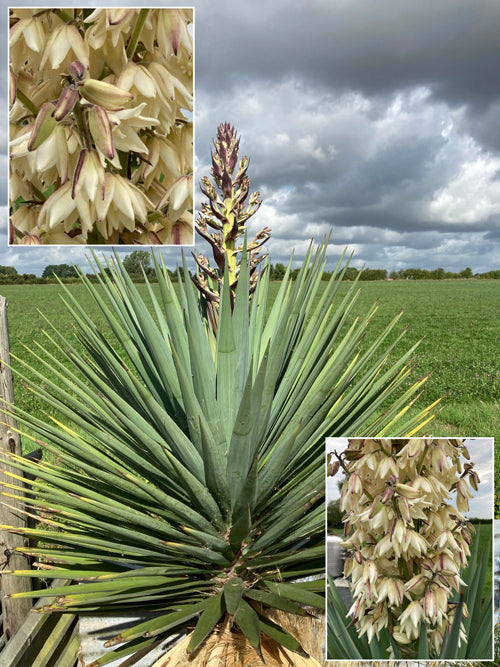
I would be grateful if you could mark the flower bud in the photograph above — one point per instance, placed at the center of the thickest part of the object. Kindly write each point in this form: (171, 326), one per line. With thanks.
(398, 531)
(353, 455)
(415, 447)
(395, 592)
(44, 125)
(105, 94)
(474, 480)
(370, 572)
(387, 495)
(355, 484)
(334, 468)
(376, 506)
(89, 174)
(66, 102)
(77, 70)
(430, 606)
(354, 610)
(415, 584)
(404, 509)
(348, 565)
(407, 491)
(31, 239)
(100, 129)
(466, 535)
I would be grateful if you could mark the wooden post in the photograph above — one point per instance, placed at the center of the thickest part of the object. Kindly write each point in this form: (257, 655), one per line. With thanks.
(14, 611)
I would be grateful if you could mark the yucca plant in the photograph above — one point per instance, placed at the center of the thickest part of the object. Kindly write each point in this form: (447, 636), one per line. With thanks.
(189, 475)
(190, 481)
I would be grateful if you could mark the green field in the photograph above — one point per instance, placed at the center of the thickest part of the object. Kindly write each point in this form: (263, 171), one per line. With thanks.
(458, 320)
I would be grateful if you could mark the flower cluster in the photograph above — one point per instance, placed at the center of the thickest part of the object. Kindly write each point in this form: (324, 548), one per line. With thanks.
(226, 213)
(101, 148)
(406, 542)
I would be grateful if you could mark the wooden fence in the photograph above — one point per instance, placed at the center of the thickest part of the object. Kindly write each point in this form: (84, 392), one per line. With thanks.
(27, 638)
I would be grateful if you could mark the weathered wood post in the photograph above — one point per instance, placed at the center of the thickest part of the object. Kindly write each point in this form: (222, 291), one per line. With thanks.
(14, 611)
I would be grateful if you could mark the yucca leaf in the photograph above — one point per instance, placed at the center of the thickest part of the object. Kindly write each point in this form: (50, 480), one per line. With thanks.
(233, 593)
(242, 446)
(226, 358)
(135, 646)
(274, 601)
(240, 529)
(163, 623)
(342, 640)
(297, 594)
(449, 650)
(281, 527)
(248, 621)
(257, 316)
(423, 647)
(279, 635)
(213, 611)
(248, 493)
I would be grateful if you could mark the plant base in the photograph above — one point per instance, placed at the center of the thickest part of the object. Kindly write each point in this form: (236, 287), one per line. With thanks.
(227, 647)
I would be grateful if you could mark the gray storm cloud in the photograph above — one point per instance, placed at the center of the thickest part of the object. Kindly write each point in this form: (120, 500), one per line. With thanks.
(378, 121)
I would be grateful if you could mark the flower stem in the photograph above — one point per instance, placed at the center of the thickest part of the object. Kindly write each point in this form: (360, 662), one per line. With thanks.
(422, 458)
(38, 193)
(134, 38)
(27, 102)
(64, 16)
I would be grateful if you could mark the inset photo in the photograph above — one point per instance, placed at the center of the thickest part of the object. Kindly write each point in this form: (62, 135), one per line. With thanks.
(410, 548)
(101, 126)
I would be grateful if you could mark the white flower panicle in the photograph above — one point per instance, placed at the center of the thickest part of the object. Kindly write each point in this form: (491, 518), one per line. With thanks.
(406, 541)
(94, 94)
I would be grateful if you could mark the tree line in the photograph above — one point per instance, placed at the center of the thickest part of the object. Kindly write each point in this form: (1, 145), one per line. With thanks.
(138, 265)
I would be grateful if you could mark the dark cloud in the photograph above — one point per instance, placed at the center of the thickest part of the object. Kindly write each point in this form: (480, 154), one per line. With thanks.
(375, 120)
(451, 45)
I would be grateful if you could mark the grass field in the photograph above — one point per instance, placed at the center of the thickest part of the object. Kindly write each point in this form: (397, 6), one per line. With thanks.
(459, 322)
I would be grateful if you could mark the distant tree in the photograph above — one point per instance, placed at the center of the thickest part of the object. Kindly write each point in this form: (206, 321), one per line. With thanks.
(8, 271)
(489, 274)
(137, 261)
(351, 273)
(278, 271)
(374, 274)
(466, 273)
(59, 270)
(334, 515)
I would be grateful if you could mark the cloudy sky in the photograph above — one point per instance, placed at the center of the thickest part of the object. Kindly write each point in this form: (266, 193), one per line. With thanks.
(481, 453)
(377, 121)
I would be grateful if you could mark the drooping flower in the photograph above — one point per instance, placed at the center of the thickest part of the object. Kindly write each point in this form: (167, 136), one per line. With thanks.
(406, 542)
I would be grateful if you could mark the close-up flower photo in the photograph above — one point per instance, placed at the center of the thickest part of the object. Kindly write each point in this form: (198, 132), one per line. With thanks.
(409, 559)
(101, 126)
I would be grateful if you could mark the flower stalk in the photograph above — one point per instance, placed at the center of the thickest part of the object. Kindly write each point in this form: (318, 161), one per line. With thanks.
(223, 221)
(134, 39)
